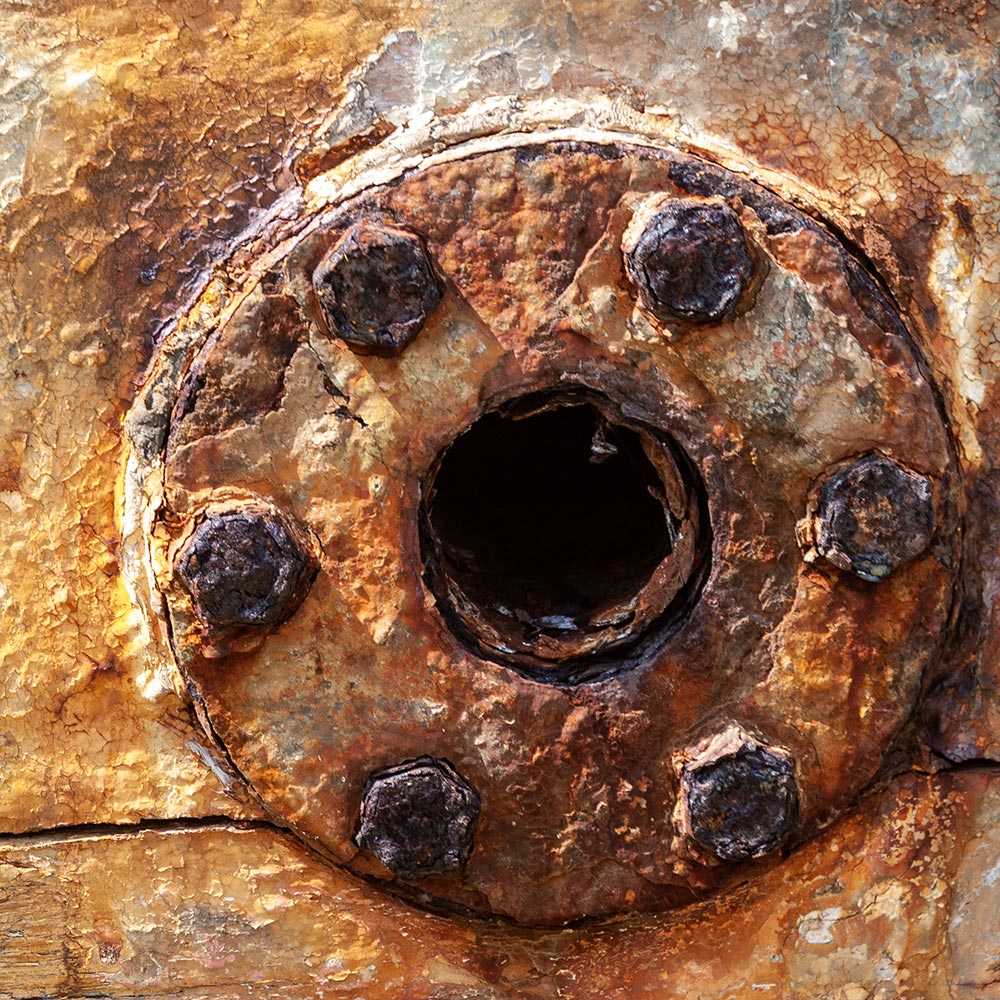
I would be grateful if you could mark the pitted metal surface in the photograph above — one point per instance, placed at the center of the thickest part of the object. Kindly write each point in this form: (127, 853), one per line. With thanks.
(152, 155)
(577, 304)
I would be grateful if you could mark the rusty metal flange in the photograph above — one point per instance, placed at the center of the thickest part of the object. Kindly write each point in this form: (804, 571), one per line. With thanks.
(575, 486)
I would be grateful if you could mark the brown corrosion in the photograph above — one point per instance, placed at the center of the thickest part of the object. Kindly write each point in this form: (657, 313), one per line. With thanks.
(688, 260)
(244, 568)
(166, 912)
(402, 651)
(872, 516)
(376, 288)
(418, 818)
(739, 798)
(144, 145)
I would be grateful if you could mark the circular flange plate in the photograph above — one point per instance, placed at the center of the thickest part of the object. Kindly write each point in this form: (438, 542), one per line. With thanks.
(679, 302)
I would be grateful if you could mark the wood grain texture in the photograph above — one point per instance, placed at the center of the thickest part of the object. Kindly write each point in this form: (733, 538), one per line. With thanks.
(900, 899)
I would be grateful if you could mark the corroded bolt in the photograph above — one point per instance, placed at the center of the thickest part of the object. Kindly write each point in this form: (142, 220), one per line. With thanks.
(873, 516)
(688, 259)
(418, 817)
(244, 567)
(741, 799)
(376, 287)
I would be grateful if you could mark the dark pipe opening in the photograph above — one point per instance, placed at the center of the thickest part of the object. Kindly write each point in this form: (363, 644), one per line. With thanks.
(549, 517)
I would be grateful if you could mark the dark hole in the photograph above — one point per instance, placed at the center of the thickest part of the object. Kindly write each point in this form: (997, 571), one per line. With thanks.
(549, 517)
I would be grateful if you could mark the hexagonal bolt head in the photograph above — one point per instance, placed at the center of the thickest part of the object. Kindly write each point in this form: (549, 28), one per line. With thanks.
(873, 516)
(244, 567)
(741, 803)
(418, 818)
(688, 260)
(376, 288)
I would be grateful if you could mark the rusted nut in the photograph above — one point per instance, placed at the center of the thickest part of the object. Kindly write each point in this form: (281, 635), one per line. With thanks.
(688, 259)
(872, 517)
(418, 817)
(741, 800)
(376, 288)
(244, 568)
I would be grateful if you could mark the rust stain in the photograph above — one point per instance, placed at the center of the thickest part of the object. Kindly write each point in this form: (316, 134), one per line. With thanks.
(755, 404)
(162, 152)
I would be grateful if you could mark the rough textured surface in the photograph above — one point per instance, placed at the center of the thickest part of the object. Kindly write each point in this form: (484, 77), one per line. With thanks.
(873, 517)
(740, 799)
(140, 140)
(243, 567)
(578, 780)
(898, 901)
(688, 261)
(418, 817)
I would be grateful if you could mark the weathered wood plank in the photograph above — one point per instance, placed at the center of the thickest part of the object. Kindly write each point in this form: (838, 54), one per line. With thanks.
(901, 898)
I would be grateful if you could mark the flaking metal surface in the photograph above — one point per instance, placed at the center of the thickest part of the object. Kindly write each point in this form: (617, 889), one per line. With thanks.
(577, 777)
(144, 144)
